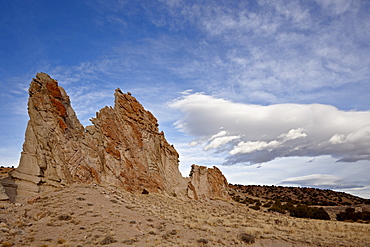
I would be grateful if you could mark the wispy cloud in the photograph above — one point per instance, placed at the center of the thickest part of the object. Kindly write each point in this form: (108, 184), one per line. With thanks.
(262, 52)
(323, 181)
(275, 50)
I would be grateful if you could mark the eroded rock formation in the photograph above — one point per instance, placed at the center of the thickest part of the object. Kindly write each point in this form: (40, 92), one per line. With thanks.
(123, 148)
(206, 183)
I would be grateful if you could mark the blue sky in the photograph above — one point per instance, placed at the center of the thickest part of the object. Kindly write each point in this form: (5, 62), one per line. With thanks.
(272, 92)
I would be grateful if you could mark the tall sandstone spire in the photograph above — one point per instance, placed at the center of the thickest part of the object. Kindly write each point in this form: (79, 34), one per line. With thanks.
(122, 147)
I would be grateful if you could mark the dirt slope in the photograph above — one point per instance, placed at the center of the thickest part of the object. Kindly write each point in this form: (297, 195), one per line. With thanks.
(92, 215)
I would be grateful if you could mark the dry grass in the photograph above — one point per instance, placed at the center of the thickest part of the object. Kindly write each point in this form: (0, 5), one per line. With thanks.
(113, 218)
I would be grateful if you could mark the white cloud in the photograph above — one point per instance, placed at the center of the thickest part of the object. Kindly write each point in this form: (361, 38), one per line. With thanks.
(257, 134)
(219, 140)
(193, 143)
(323, 181)
(219, 134)
(314, 179)
(186, 92)
(250, 147)
(337, 139)
(293, 134)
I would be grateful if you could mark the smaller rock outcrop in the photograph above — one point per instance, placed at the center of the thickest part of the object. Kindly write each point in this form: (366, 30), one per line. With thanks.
(3, 195)
(206, 183)
(9, 189)
(7, 186)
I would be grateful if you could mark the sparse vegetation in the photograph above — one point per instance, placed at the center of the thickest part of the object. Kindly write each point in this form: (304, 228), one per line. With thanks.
(299, 202)
(278, 207)
(350, 214)
(246, 238)
(64, 217)
(299, 211)
(295, 195)
(161, 220)
(61, 241)
(108, 240)
(303, 211)
(202, 241)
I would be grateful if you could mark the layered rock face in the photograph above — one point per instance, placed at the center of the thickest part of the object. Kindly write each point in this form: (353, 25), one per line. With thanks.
(123, 148)
(52, 141)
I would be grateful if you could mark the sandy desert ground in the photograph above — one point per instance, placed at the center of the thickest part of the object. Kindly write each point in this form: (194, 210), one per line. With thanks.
(94, 215)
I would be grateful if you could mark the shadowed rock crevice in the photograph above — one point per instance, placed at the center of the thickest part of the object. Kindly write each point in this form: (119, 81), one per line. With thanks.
(123, 147)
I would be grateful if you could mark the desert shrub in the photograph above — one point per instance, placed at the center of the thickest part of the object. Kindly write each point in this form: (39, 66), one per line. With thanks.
(268, 204)
(350, 214)
(326, 203)
(246, 238)
(256, 207)
(366, 216)
(288, 206)
(303, 211)
(129, 241)
(300, 211)
(291, 201)
(320, 213)
(277, 209)
(277, 203)
(236, 198)
(248, 200)
(108, 240)
(64, 217)
(202, 241)
(61, 241)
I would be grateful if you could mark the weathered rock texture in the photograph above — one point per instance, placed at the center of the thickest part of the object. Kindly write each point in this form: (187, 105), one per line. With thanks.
(3, 195)
(207, 182)
(123, 148)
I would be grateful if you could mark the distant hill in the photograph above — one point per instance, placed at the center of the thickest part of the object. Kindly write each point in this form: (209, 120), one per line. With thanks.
(294, 195)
